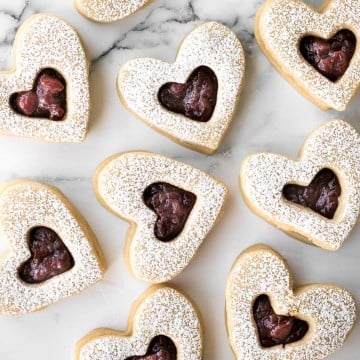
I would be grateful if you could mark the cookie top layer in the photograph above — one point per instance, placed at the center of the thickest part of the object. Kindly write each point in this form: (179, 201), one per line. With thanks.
(210, 44)
(45, 41)
(25, 205)
(120, 183)
(334, 145)
(280, 26)
(162, 310)
(328, 309)
(106, 11)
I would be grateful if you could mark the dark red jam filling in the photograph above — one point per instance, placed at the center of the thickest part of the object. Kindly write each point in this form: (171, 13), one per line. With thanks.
(276, 329)
(47, 99)
(160, 348)
(49, 256)
(330, 57)
(196, 99)
(322, 195)
(172, 205)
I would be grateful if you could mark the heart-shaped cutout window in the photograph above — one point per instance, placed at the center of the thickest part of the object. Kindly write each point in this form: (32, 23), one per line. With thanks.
(47, 98)
(49, 256)
(161, 348)
(172, 205)
(330, 57)
(196, 99)
(276, 329)
(321, 195)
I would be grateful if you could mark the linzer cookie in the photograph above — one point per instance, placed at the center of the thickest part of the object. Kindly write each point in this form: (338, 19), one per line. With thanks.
(52, 253)
(314, 49)
(171, 208)
(164, 325)
(193, 100)
(270, 319)
(316, 198)
(46, 94)
(106, 11)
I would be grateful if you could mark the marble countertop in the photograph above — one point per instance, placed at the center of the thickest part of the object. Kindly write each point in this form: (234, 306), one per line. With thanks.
(271, 116)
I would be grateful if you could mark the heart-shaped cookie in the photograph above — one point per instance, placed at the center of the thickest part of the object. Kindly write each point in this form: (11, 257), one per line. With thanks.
(164, 322)
(266, 315)
(52, 253)
(310, 49)
(277, 188)
(106, 11)
(210, 46)
(46, 95)
(171, 207)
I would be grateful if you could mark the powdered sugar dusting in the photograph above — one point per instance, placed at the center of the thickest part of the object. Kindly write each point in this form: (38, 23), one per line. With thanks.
(164, 312)
(24, 205)
(120, 183)
(210, 44)
(328, 309)
(108, 10)
(282, 23)
(335, 145)
(45, 41)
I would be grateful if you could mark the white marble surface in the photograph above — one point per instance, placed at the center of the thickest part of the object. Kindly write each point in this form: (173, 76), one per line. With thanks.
(272, 116)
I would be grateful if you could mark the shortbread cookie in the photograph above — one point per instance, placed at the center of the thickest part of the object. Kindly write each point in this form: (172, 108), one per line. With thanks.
(106, 11)
(52, 253)
(170, 206)
(164, 325)
(316, 198)
(314, 49)
(193, 100)
(268, 319)
(46, 95)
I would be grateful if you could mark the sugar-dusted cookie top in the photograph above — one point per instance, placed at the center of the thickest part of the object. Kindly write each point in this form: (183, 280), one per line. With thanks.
(46, 94)
(51, 254)
(106, 11)
(192, 100)
(268, 319)
(171, 207)
(315, 49)
(317, 197)
(163, 321)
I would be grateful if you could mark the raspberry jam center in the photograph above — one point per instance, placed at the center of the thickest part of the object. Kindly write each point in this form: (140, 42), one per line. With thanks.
(321, 195)
(196, 99)
(276, 329)
(329, 57)
(47, 99)
(172, 205)
(160, 348)
(49, 256)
